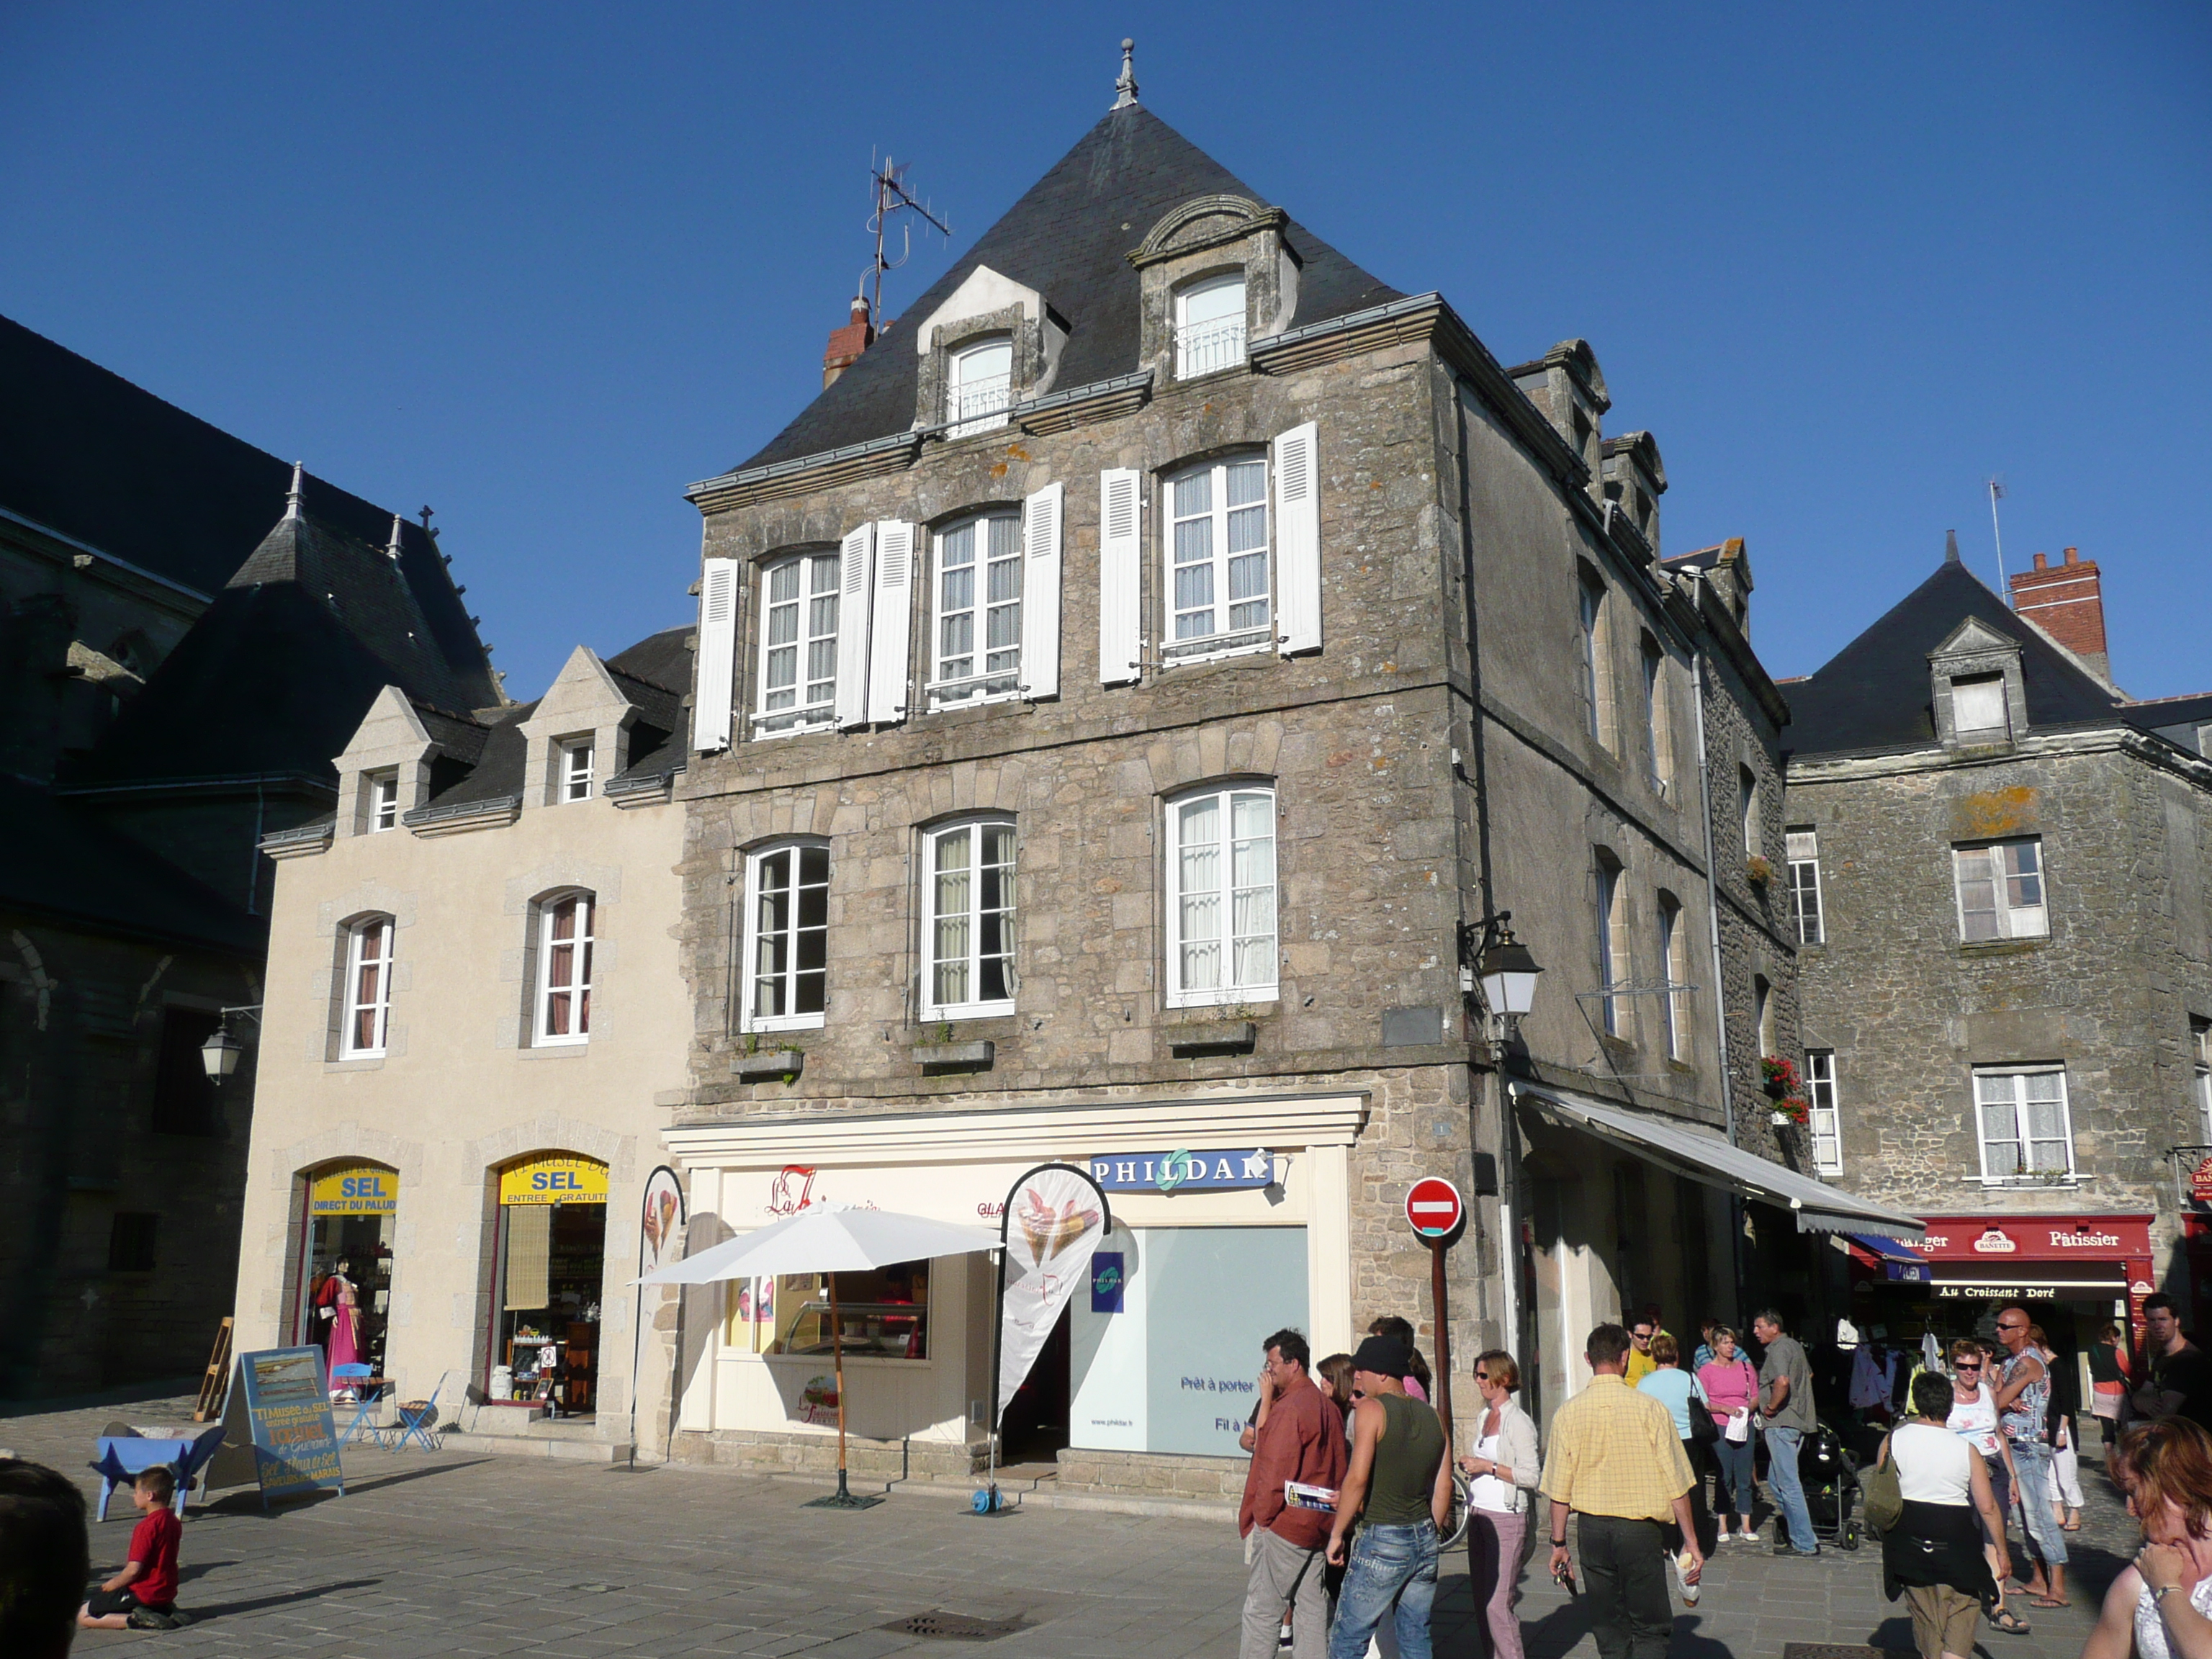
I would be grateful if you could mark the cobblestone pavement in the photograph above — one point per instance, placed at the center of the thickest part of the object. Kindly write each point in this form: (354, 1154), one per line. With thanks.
(458, 1554)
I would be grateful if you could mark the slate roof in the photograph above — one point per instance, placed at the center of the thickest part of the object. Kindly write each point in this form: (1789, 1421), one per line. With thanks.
(84, 451)
(59, 859)
(487, 757)
(1873, 694)
(277, 673)
(1066, 237)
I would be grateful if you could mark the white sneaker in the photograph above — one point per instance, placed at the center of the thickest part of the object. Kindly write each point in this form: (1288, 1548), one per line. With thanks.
(1749, 1535)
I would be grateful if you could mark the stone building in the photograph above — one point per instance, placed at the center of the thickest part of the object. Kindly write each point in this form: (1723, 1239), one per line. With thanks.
(174, 675)
(1124, 695)
(476, 1025)
(1999, 868)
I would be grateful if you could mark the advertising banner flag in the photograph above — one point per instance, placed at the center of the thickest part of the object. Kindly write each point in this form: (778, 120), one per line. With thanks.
(1055, 1216)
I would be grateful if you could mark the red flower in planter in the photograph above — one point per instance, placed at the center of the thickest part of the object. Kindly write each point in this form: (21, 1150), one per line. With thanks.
(1780, 1077)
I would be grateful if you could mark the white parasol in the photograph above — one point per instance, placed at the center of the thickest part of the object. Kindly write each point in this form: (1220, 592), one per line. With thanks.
(828, 1239)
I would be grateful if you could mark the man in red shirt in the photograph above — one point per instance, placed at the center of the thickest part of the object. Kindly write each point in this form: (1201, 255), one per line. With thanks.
(1299, 1437)
(143, 1596)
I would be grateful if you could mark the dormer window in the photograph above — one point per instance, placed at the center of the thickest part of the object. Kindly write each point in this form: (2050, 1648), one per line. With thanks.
(576, 770)
(979, 387)
(1210, 325)
(1978, 708)
(383, 801)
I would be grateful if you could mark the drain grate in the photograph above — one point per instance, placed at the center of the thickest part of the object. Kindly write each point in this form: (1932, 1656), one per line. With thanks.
(954, 1626)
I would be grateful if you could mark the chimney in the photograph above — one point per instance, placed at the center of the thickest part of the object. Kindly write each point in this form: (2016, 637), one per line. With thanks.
(2067, 601)
(847, 343)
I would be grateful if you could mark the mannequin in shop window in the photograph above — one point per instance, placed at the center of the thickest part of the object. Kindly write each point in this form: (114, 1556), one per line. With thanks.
(339, 1299)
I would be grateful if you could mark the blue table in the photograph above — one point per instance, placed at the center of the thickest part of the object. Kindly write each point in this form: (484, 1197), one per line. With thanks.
(121, 1458)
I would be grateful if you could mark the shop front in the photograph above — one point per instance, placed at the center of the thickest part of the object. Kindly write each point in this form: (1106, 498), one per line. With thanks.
(1231, 1221)
(549, 1266)
(2073, 1273)
(342, 1300)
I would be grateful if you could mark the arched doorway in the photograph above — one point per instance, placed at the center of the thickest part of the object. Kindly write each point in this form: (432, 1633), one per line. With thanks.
(549, 1271)
(344, 1260)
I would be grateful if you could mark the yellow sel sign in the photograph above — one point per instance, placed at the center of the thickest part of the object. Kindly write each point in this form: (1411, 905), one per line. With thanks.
(359, 1189)
(555, 1180)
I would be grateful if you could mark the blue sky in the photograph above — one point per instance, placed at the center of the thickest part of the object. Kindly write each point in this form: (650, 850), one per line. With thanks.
(542, 266)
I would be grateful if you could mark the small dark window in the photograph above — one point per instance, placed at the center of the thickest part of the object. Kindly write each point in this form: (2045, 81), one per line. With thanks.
(131, 1243)
(184, 1098)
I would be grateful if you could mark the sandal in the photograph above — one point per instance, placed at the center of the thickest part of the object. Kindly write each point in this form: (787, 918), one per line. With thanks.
(2047, 1602)
(2010, 1622)
(2073, 1522)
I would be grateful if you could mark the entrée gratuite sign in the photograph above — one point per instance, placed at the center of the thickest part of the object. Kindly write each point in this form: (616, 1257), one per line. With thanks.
(1185, 1171)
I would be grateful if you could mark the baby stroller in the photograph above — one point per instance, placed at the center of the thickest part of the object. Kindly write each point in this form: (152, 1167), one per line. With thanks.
(1829, 1476)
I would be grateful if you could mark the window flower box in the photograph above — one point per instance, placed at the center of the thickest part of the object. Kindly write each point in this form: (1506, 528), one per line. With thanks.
(770, 1065)
(940, 1057)
(1758, 870)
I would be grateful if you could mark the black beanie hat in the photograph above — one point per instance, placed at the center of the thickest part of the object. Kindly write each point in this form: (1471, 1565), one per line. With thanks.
(1385, 1356)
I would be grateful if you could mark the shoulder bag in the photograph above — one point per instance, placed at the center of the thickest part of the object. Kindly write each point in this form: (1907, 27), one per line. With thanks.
(1882, 1500)
(1703, 1429)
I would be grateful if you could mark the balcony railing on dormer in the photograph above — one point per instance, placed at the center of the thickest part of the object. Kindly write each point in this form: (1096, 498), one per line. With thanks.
(1204, 347)
(981, 405)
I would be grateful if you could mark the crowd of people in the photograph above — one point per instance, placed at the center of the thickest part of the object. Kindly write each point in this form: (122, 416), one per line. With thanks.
(1980, 1441)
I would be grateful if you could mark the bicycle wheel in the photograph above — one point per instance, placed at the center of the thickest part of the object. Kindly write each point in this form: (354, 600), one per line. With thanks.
(1461, 1509)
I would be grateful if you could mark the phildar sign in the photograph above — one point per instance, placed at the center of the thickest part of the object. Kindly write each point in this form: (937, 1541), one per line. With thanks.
(1200, 1171)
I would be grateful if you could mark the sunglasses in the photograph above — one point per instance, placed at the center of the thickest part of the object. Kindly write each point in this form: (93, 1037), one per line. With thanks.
(1964, 1366)
(1482, 1376)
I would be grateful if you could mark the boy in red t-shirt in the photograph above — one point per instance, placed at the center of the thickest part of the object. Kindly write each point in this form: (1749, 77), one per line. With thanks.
(143, 1596)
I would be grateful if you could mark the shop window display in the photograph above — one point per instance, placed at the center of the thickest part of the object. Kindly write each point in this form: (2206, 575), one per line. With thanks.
(345, 1276)
(551, 1266)
(885, 1314)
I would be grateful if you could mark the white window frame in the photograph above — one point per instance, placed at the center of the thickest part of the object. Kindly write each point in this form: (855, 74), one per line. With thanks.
(1613, 945)
(577, 994)
(1223, 641)
(972, 918)
(1674, 961)
(749, 1018)
(1801, 851)
(987, 685)
(1230, 989)
(983, 408)
(1595, 625)
(576, 770)
(808, 609)
(1827, 1127)
(2015, 1077)
(383, 801)
(2200, 1033)
(377, 1004)
(1979, 683)
(1212, 345)
(2001, 865)
(1659, 722)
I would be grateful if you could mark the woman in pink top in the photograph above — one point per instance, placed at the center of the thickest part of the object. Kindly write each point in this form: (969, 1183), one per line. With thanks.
(1731, 1388)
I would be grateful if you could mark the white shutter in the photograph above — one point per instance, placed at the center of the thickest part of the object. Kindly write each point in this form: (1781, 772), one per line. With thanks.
(894, 622)
(1041, 593)
(1120, 576)
(717, 655)
(1297, 541)
(855, 588)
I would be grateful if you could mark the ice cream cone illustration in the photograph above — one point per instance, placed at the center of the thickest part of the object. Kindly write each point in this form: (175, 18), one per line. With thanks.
(1048, 1231)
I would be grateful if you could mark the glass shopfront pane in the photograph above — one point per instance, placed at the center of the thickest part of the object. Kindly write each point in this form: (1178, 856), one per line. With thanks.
(884, 1315)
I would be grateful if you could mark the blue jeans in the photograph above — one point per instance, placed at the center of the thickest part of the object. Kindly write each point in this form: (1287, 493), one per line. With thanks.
(1789, 1491)
(1734, 1488)
(1388, 1564)
(2031, 1461)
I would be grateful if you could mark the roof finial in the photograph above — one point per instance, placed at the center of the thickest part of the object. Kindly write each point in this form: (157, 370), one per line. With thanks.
(1127, 86)
(391, 548)
(292, 498)
(1950, 547)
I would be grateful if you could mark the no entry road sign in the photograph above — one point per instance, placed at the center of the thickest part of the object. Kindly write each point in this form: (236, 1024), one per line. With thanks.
(1433, 1207)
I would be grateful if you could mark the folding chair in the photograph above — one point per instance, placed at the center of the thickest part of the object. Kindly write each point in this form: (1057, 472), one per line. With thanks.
(415, 1420)
(353, 1376)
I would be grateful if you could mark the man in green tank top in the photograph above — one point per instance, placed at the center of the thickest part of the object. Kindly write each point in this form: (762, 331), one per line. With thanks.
(1399, 1489)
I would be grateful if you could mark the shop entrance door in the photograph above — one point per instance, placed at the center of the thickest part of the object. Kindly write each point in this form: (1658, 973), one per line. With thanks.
(343, 1279)
(1036, 1429)
(550, 1266)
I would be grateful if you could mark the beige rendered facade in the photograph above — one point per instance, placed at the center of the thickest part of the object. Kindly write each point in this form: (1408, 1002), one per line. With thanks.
(474, 986)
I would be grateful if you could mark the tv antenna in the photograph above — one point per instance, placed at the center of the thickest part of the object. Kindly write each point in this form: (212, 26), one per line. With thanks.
(887, 184)
(1996, 494)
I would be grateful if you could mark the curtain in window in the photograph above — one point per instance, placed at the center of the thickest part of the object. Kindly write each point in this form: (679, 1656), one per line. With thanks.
(529, 1255)
(1199, 840)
